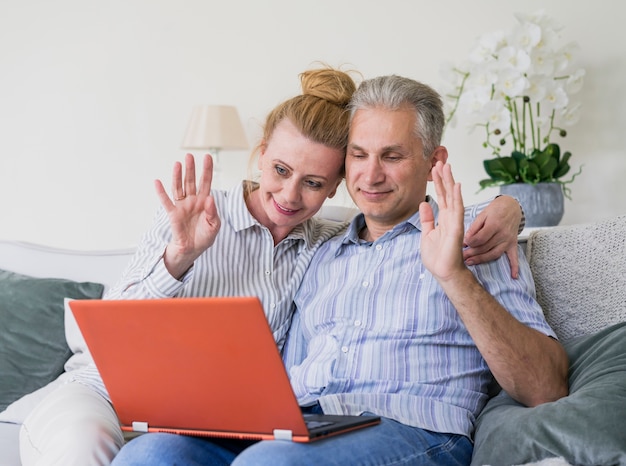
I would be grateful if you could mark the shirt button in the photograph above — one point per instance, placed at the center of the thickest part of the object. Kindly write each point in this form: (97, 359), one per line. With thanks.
(344, 349)
(422, 276)
(267, 272)
(365, 284)
(357, 323)
(273, 305)
(378, 247)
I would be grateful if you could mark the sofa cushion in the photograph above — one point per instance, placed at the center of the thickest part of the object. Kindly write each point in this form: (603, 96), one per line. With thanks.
(33, 348)
(586, 427)
(580, 275)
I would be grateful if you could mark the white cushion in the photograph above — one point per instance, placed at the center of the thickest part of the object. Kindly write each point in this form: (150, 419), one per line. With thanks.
(580, 275)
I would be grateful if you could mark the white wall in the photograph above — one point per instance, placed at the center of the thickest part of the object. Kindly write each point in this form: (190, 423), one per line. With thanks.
(95, 96)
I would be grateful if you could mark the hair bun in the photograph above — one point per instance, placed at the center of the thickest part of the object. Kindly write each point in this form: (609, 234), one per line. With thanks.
(329, 84)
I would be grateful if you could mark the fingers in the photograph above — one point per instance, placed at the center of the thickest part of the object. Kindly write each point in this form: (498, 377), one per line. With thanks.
(456, 196)
(448, 191)
(190, 175)
(183, 186)
(474, 234)
(513, 254)
(177, 184)
(438, 181)
(427, 218)
(206, 178)
(164, 199)
(478, 235)
(474, 256)
(478, 249)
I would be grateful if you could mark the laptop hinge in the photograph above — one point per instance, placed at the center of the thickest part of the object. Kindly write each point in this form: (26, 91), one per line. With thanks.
(282, 434)
(140, 426)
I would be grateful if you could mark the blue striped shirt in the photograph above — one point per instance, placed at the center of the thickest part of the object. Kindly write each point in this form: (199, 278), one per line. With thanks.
(375, 332)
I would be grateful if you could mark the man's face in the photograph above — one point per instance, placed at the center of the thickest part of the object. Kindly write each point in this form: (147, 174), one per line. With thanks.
(386, 172)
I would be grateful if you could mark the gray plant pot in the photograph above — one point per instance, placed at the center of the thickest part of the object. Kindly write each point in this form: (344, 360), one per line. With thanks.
(543, 203)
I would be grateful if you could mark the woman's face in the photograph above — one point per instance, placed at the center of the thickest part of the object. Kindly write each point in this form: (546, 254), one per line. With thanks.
(297, 175)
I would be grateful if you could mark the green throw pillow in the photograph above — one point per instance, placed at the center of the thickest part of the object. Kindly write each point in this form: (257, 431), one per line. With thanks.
(33, 348)
(586, 427)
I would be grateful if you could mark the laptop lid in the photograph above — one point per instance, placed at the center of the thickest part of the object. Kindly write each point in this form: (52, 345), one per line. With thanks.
(197, 366)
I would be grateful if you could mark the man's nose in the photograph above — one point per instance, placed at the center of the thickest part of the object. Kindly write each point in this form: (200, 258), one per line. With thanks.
(374, 172)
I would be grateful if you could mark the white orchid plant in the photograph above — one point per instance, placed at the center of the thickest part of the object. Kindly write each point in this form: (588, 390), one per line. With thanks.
(517, 88)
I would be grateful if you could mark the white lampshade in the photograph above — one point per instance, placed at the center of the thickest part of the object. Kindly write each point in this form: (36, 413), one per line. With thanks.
(215, 127)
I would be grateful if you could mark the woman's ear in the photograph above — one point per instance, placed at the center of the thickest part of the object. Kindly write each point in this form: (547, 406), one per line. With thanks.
(440, 154)
(262, 149)
(334, 191)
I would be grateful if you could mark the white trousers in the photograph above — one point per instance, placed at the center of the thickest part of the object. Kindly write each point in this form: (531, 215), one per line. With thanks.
(73, 426)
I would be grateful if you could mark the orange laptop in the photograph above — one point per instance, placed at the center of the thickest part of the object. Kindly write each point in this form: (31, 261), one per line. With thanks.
(198, 366)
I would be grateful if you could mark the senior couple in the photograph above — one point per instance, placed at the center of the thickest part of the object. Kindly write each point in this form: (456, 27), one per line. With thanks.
(410, 312)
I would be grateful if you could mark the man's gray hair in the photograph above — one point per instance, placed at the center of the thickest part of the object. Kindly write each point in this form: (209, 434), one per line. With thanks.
(395, 92)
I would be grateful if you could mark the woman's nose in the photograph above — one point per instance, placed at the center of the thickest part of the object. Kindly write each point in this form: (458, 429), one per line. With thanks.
(292, 191)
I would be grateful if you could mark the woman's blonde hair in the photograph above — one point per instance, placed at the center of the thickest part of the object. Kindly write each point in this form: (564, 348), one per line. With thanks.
(320, 112)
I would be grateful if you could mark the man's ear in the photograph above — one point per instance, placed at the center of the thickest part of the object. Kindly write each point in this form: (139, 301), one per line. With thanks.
(439, 154)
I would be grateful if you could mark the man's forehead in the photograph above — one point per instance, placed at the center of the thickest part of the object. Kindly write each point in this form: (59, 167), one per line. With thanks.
(382, 119)
(383, 130)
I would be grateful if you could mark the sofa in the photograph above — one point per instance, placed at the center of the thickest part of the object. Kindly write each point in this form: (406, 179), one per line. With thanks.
(580, 276)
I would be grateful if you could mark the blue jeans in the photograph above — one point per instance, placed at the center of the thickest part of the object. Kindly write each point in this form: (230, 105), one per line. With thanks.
(389, 443)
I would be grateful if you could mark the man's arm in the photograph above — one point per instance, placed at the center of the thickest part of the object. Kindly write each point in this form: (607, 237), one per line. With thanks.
(530, 366)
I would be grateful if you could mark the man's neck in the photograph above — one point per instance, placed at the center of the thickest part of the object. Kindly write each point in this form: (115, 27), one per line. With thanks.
(374, 229)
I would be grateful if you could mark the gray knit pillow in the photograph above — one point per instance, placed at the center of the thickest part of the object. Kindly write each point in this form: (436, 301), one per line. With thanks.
(580, 275)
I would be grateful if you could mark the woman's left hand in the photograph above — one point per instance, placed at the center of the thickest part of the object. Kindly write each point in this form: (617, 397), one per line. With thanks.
(493, 233)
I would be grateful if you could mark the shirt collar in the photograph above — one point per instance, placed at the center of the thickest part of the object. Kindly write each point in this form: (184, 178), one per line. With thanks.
(413, 222)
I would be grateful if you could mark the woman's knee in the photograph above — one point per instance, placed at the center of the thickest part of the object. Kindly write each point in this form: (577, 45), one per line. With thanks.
(157, 449)
(73, 425)
(274, 452)
(145, 448)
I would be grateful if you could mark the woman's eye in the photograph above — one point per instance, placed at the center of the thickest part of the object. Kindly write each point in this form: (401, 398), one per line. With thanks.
(313, 184)
(280, 170)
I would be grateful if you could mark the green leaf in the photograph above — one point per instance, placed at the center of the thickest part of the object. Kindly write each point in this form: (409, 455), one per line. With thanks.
(487, 183)
(563, 167)
(543, 158)
(531, 174)
(523, 165)
(546, 171)
(553, 150)
(518, 156)
(501, 169)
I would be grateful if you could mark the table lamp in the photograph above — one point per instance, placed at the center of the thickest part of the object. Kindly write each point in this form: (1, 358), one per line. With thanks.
(214, 128)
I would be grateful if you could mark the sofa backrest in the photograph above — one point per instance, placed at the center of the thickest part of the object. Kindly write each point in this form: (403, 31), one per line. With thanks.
(101, 266)
(580, 275)
(36, 260)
